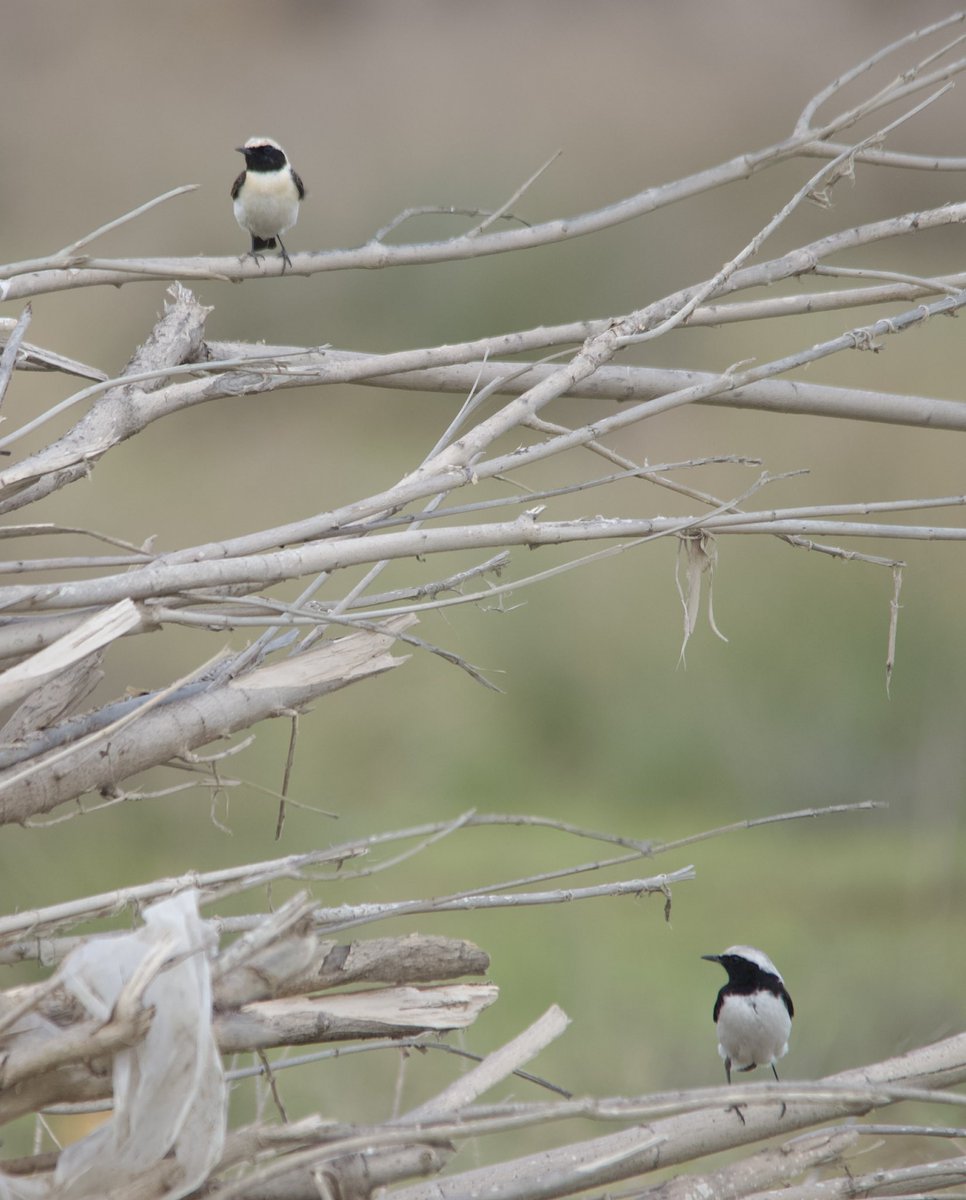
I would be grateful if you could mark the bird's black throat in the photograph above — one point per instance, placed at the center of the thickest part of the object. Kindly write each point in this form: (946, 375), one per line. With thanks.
(264, 158)
(745, 978)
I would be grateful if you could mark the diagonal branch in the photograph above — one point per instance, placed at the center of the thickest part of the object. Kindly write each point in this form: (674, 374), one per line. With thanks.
(171, 730)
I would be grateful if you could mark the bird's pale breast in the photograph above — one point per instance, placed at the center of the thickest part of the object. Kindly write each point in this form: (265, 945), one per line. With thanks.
(753, 1029)
(268, 203)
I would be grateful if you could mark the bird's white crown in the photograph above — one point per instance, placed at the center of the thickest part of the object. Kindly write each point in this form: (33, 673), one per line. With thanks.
(758, 957)
(261, 141)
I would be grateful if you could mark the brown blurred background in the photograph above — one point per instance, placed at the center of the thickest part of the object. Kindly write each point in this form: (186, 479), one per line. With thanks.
(383, 106)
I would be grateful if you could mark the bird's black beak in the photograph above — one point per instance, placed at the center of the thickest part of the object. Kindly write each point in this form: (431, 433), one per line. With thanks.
(240, 149)
(711, 957)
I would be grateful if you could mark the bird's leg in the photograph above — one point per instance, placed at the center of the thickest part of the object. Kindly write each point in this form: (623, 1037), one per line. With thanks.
(774, 1071)
(286, 261)
(736, 1107)
(253, 253)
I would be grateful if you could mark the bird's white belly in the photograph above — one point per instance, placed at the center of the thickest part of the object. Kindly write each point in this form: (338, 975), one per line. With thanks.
(267, 207)
(753, 1030)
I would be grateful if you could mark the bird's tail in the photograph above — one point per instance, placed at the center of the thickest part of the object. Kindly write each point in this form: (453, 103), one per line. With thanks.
(262, 243)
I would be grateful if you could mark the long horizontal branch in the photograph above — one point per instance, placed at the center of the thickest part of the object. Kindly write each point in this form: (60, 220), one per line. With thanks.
(35, 926)
(377, 255)
(84, 271)
(70, 457)
(660, 1144)
(261, 570)
(378, 1013)
(547, 336)
(453, 464)
(470, 449)
(888, 158)
(626, 383)
(701, 1127)
(28, 635)
(415, 958)
(349, 916)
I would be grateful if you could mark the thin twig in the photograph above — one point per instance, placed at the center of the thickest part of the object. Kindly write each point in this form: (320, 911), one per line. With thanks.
(509, 203)
(8, 358)
(57, 259)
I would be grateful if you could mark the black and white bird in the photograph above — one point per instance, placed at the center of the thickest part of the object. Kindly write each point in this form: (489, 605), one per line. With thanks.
(753, 1012)
(267, 195)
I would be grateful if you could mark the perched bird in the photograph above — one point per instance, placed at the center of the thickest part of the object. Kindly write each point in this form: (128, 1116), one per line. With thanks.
(753, 1012)
(267, 195)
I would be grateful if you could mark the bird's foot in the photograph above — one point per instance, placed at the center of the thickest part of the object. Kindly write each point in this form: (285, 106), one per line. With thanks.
(737, 1109)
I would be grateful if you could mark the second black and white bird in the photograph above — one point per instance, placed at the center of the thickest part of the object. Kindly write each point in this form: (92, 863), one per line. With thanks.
(753, 1012)
(267, 195)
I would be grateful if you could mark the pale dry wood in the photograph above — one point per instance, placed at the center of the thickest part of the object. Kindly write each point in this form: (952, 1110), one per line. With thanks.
(775, 1166)
(40, 922)
(256, 571)
(393, 1164)
(34, 927)
(11, 349)
(16, 946)
(412, 958)
(53, 1053)
(807, 118)
(303, 963)
(60, 463)
(30, 278)
(383, 1012)
(90, 636)
(350, 916)
(68, 256)
(628, 383)
(495, 1067)
(54, 699)
(115, 416)
(327, 1142)
(284, 954)
(27, 935)
(605, 1160)
(35, 358)
(36, 1066)
(180, 727)
(921, 1180)
(18, 283)
(355, 1175)
(78, 1084)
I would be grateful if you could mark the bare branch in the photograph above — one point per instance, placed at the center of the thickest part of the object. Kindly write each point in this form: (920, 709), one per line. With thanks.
(91, 635)
(639, 1150)
(508, 204)
(497, 481)
(68, 257)
(8, 358)
(19, 281)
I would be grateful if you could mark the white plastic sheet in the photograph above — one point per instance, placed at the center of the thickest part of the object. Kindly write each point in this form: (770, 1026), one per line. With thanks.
(169, 1088)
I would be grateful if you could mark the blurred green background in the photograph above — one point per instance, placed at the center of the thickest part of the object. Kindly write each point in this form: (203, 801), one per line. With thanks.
(382, 106)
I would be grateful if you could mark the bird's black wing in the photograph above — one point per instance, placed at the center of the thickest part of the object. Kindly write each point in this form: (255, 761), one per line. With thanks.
(300, 186)
(787, 1001)
(718, 1003)
(236, 186)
